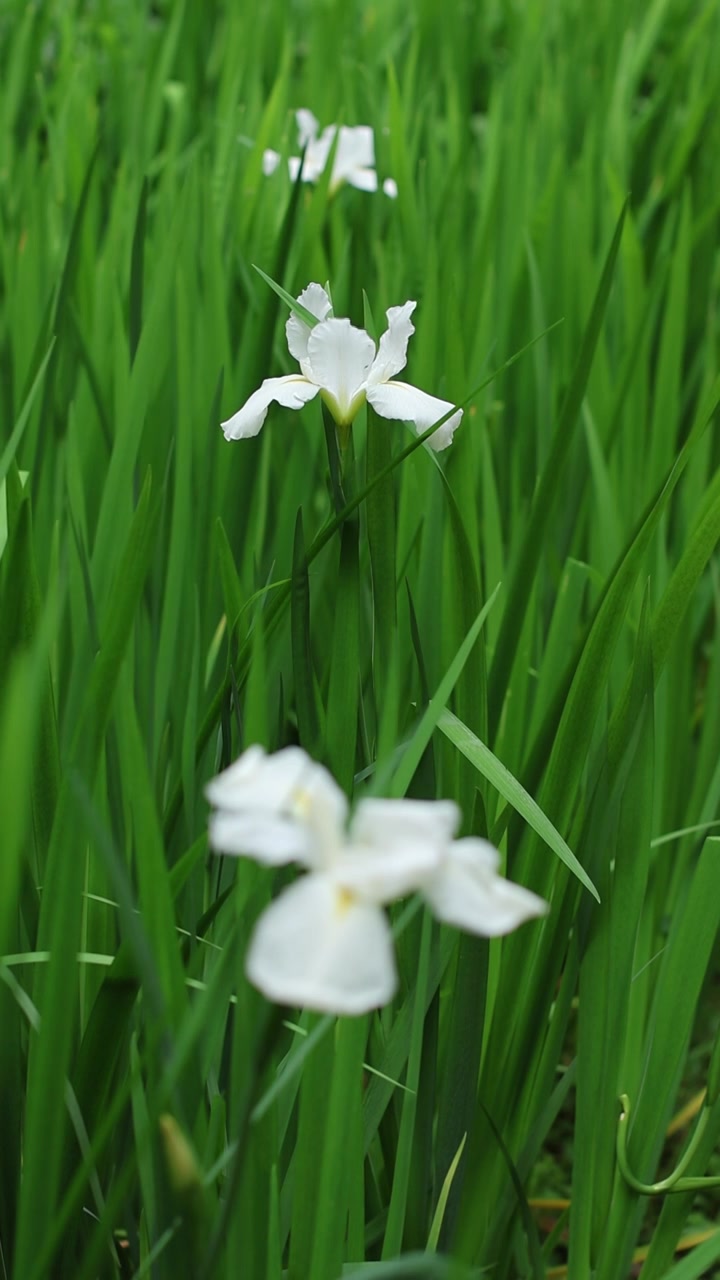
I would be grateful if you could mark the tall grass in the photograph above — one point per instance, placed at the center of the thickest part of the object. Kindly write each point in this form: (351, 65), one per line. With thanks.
(168, 598)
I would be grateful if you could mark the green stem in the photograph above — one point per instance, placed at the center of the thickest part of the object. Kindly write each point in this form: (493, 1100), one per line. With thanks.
(339, 441)
(347, 460)
(674, 1183)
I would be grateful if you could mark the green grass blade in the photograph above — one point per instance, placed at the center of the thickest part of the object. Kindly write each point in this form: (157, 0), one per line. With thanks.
(435, 711)
(137, 262)
(342, 719)
(395, 1225)
(526, 564)
(511, 790)
(61, 908)
(18, 430)
(305, 698)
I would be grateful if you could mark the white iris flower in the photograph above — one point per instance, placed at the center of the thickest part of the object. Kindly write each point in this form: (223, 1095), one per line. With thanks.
(325, 943)
(342, 365)
(354, 160)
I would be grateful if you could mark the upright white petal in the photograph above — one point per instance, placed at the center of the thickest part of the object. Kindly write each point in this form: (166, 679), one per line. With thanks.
(258, 779)
(392, 352)
(316, 300)
(278, 808)
(292, 392)
(355, 149)
(317, 151)
(404, 403)
(354, 158)
(317, 948)
(294, 169)
(307, 126)
(383, 822)
(322, 807)
(270, 161)
(466, 891)
(339, 359)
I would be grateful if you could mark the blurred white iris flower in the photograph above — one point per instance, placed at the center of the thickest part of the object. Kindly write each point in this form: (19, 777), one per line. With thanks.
(342, 365)
(325, 943)
(353, 162)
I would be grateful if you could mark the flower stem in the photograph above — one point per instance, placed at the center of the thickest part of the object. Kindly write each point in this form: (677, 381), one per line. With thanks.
(347, 460)
(675, 1182)
(341, 459)
(335, 460)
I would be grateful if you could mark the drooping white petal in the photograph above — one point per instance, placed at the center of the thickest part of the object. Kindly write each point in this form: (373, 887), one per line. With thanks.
(383, 823)
(270, 161)
(272, 838)
(392, 351)
(339, 359)
(292, 392)
(317, 948)
(404, 403)
(363, 179)
(307, 126)
(467, 892)
(390, 188)
(316, 300)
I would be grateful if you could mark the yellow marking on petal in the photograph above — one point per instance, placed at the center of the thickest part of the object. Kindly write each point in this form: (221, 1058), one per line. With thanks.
(344, 899)
(301, 801)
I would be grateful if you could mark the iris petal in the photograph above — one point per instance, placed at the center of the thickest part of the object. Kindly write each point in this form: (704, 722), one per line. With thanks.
(468, 893)
(292, 392)
(315, 300)
(404, 403)
(317, 948)
(339, 359)
(278, 808)
(392, 352)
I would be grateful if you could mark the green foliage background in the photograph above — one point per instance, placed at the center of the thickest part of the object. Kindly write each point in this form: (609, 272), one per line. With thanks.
(167, 598)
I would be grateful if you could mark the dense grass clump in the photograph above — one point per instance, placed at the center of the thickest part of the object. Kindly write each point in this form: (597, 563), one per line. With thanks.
(524, 623)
